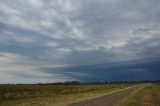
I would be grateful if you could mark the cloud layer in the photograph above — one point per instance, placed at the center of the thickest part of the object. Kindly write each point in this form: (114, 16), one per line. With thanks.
(39, 37)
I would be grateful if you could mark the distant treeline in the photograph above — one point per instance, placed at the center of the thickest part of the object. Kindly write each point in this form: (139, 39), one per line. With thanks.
(86, 83)
(99, 82)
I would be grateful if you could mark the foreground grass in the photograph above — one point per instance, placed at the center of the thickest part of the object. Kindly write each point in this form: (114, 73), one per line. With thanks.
(156, 90)
(134, 99)
(151, 94)
(57, 100)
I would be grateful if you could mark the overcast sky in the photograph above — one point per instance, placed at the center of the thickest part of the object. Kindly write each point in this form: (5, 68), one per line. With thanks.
(84, 40)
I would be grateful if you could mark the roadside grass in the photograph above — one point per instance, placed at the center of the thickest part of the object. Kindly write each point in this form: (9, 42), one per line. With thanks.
(156, 90)
(57, 100)
(135, 99)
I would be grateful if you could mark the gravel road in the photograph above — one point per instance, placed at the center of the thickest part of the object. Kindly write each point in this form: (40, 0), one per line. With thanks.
(107, 100)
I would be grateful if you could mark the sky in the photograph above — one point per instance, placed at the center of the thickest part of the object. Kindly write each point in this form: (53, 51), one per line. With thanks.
(79, 40)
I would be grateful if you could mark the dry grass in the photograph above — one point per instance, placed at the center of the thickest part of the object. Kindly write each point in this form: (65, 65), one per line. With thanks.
(144, 97)
(58, 100)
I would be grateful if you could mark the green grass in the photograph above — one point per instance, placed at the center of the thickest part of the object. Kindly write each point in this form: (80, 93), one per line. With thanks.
(136, 98)
(156, 90)
(33, 91)
(10, 92)
(61, 99)
(57, 100)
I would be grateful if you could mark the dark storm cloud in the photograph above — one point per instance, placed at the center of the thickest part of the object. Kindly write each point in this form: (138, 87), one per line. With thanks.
(37, 34)
(110, 72)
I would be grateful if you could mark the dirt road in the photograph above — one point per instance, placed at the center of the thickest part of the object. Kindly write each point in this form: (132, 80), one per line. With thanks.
(108, 99)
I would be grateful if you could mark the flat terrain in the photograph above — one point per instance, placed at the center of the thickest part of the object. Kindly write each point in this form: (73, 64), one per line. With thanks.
(53, 95)
(80, 95)
(108, 99)
(146, 96)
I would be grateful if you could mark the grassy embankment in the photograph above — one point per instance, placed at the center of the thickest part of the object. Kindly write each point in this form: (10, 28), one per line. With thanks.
(144, 97)
(52, 95)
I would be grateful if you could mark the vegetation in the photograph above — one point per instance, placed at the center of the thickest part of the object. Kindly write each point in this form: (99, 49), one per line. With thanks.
(146, 96)
(60, 94)
(43, 90)
(22, 94)
(134, 100)
(156, 90)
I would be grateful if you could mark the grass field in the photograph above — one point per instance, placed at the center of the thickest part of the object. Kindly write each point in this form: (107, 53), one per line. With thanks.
(145, 96)
(52, 95)
(61, 95)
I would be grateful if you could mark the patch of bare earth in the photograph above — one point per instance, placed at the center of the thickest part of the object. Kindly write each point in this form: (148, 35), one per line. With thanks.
(149, 99)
